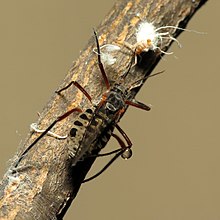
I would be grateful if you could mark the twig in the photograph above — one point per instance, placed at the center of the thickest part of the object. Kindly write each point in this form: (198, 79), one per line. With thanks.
(45, 186)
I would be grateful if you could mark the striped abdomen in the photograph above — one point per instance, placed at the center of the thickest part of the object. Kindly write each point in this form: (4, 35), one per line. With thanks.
(91, 131)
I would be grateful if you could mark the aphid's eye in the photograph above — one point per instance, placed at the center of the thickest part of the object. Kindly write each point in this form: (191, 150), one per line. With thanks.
(73, 132)
(78, 123)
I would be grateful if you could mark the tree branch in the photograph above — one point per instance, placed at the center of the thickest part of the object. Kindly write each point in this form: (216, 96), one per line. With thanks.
(44, 184)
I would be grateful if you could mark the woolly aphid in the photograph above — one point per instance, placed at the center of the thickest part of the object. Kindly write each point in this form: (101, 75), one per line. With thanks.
(148, 37)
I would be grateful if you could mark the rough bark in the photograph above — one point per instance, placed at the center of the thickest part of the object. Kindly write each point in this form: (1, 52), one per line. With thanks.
(44, 185)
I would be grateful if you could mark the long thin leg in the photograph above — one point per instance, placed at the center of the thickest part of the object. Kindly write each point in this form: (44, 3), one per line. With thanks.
(105, 167)
(107, 154)
(128, 152)
(121, 143)
(178, 28)
(125, 152)
(122, 150)
(60, 118)
(137, 104)
(34, 127)
(174, 39)
(79, 87)
(101, 67)
(130, 66)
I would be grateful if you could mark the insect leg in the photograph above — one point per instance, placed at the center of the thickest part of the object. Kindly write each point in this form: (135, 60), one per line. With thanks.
(101, 67)
(137, 104)
(111, 152)
(108, 153)
(34, 128)
(121, 151)
(79, 87)
(127, 152)
(60, 118)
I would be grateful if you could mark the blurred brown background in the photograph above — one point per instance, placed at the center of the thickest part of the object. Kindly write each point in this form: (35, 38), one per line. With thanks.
(174, 173)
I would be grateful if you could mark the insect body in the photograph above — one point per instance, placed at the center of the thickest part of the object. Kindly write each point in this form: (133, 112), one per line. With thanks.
(94, 126)
(150, 38)
(105, 116)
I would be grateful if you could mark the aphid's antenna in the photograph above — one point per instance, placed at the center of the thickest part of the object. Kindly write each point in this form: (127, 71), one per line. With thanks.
(155, 74)
(101, 67)
(137, 83)
(136, 103)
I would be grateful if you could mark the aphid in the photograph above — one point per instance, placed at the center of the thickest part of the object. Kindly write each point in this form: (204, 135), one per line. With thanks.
(94, 126)
(148, 37)
(105, 116)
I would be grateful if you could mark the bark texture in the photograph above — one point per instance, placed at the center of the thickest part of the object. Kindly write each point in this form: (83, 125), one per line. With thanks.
(44, 184)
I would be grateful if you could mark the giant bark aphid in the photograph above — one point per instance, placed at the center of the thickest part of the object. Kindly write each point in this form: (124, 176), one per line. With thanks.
(103, 117)
(94, 126)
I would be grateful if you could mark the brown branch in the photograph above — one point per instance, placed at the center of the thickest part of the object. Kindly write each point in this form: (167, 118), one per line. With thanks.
(44, 185)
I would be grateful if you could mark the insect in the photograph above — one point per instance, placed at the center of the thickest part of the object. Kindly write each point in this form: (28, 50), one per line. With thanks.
(150, 38)
(103, 117)
(94, 126)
